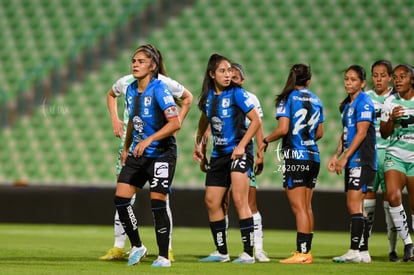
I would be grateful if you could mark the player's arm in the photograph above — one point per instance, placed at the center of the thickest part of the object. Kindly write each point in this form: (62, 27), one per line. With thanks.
(117, 124)
(387, 127)
(201, 130)
(185, 104)
(361, 133)
(319, 131)
(127, 142)
(281, 130)
(173, 124)
(258, 167)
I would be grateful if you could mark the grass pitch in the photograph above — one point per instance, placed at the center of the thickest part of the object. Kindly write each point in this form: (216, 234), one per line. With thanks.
(70, 249)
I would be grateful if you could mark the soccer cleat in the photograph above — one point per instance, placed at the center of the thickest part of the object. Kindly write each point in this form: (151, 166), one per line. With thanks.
(365, 257)
(171, 255)
(115, 253)
(298, 258)
(244, 258)
(408, 252)
(393, 257)
(261, 256)
(136, 254)
(161, 262)
(352, 256)
(216, 257)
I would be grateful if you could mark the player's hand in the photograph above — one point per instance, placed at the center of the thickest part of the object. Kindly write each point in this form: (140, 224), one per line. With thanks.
(124, 156)
(141, 146)
(204, 165)
(118, 128)
(238, 152)
(258, 167)
(340, 164)
(332, 164)
(198, 155)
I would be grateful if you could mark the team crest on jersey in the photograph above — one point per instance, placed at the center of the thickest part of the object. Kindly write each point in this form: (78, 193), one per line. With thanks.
(217, 123)
(138, 124)
(225, 103)
(147, 101)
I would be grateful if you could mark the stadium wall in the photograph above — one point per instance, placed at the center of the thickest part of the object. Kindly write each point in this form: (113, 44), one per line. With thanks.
(83, 205)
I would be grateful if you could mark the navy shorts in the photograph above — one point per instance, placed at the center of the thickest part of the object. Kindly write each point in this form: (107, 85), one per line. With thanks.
(158, 171)
(300, 173)
(361, 177)
(218, 174)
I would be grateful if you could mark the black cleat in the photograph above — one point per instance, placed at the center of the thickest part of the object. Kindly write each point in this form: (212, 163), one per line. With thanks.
(408, 252)
(393, 257)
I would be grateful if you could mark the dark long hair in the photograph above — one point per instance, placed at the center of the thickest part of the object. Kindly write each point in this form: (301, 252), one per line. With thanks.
(208, 83)
(362, 75)
(299, 74)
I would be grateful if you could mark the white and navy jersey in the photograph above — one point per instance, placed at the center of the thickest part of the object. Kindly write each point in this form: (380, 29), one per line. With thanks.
(120, 86)
(146, 111)
(361, 109)
(226, 114)
(402, 138)
(378, 101)
(305, 112)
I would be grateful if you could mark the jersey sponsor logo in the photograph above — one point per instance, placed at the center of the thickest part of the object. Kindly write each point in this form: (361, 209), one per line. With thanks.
(350, 111)
(138, 124)
(248, 102)
(366, 114)
(161, 169)
(300, 98)
(355, 172)
(168, 99)
(217, 123)
(220, 141)
(225, 103)
(366, 106)
(147, 101)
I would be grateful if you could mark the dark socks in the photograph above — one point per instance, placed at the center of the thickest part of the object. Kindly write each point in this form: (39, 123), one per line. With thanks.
(218, 229)
(162, 226)
(357, 229)
(303, 242)
(365, 236)
(247, 234)
(128, 220)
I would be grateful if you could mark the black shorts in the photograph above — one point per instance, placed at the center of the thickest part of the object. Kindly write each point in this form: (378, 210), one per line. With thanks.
(300, 173)
(158, 171)
(361, 177)
(220, 169)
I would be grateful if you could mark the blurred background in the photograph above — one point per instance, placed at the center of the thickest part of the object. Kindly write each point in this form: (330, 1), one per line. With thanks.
(58, 58)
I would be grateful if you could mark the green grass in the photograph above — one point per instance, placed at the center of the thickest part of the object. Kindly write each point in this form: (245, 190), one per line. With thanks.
(66, 249)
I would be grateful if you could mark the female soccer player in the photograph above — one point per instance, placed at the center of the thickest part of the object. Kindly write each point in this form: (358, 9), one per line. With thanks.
(119, 128)
(224, 106)
(397, 123)
(300, 123)
(259, 253)
(149, 154)
(356, 153)
(381, 72)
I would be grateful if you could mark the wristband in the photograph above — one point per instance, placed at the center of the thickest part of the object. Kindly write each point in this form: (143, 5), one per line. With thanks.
(265, 142)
